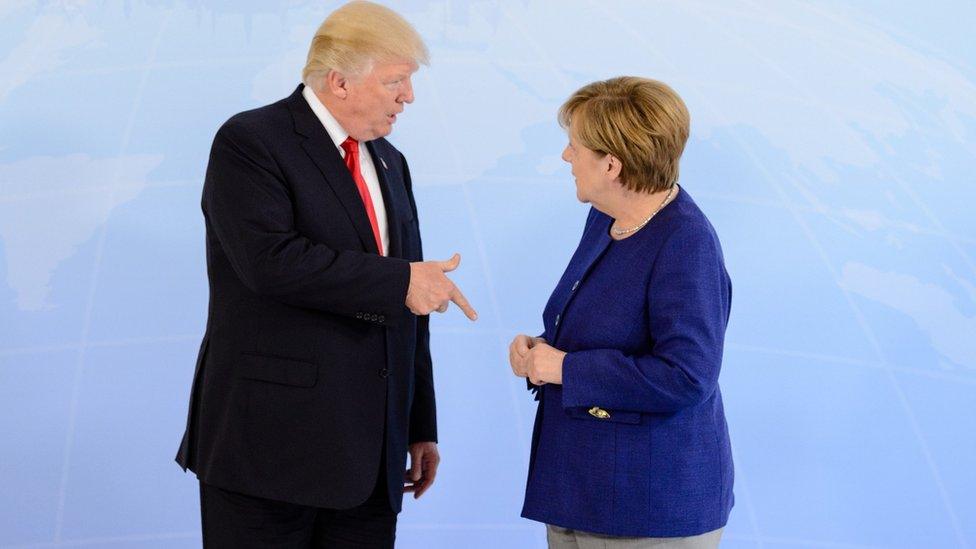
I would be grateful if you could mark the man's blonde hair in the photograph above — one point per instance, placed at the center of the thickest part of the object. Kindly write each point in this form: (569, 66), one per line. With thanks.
(357, 34)
(640, 121)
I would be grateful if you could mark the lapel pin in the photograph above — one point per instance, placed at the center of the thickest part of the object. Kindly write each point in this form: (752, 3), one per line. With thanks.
(384, 163)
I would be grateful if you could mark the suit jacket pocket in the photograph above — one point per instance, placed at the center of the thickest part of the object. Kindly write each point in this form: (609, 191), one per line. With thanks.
(273, 369)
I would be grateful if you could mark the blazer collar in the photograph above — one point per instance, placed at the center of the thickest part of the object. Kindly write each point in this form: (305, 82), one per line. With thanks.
(597, 240)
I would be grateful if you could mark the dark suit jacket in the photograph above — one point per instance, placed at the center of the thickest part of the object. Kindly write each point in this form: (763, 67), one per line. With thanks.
(634, 442)
(311, 364)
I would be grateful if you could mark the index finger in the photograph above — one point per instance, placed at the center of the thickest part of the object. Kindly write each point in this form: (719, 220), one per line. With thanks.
(458, 298)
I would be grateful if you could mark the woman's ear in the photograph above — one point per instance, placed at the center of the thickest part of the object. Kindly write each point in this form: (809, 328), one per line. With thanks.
(614, 167)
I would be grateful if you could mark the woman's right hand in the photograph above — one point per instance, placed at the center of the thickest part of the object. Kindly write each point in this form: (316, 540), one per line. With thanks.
(517, 351)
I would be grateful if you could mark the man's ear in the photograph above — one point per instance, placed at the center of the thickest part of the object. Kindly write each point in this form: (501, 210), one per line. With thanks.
(337, 84)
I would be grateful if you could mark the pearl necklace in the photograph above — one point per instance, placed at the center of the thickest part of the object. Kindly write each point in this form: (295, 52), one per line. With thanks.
(620, 232)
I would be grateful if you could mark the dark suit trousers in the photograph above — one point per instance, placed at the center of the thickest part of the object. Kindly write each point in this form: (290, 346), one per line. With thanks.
(237, 521)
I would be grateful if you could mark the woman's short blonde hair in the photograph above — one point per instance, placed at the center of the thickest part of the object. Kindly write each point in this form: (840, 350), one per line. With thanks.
(640, 121)
(356, 35)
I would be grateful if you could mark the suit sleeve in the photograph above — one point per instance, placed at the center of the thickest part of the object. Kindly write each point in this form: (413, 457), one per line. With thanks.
(248, 205)
(689, 293)
(423, 413)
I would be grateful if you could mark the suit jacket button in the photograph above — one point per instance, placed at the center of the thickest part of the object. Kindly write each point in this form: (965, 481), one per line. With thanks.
(384, 373)
(599, 413)
(359, 316)
(382, 319)
(373, 318)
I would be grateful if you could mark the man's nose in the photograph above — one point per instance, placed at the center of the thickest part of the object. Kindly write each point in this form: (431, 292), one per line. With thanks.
(407, 95)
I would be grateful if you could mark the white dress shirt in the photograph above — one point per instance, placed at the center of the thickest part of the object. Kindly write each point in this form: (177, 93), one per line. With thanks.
(339, 135)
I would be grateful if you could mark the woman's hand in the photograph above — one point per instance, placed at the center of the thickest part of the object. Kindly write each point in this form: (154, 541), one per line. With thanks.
(543, 364)
(518, 350)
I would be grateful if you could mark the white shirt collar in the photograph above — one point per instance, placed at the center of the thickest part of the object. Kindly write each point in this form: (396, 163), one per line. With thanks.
(336, 131)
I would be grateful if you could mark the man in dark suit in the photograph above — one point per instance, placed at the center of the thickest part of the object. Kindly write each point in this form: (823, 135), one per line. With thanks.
(314, 377)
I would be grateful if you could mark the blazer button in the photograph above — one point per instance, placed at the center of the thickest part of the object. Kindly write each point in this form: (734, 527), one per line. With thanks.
(382, 319)
(372, 318)
(359, 316)
(384, 373)
(599, 413)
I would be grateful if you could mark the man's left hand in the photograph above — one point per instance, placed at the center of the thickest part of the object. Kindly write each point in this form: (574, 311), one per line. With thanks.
(424, 459)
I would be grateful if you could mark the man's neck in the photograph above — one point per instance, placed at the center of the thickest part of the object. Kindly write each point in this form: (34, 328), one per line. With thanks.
(335, 108)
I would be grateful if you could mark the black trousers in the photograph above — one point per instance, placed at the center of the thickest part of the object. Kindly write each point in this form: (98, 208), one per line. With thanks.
(238, 521)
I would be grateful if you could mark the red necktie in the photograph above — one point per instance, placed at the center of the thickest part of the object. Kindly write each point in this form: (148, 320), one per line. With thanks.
(351, 146)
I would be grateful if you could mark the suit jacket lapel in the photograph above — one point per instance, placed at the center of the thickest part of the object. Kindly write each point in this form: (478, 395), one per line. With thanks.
(323, 152)
(392, 218)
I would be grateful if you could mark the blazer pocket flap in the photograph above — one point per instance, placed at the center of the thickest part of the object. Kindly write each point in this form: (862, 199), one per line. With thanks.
(596, 413)
(275, 369)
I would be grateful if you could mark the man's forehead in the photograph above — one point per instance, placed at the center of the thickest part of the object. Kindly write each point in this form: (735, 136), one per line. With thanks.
(390, 66)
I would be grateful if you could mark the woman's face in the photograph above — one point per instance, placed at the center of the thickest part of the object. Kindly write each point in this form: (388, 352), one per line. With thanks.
(590, 168)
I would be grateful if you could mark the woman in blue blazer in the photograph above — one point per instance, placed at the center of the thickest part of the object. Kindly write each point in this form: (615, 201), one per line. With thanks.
(630, 439)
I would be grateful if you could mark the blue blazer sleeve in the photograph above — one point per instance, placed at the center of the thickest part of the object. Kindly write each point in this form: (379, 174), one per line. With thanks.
(688, 296)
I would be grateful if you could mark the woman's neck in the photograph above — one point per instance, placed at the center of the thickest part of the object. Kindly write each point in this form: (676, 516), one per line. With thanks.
(631, 208)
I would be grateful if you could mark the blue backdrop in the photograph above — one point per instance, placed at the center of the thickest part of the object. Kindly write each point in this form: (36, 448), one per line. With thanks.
(832, 146)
